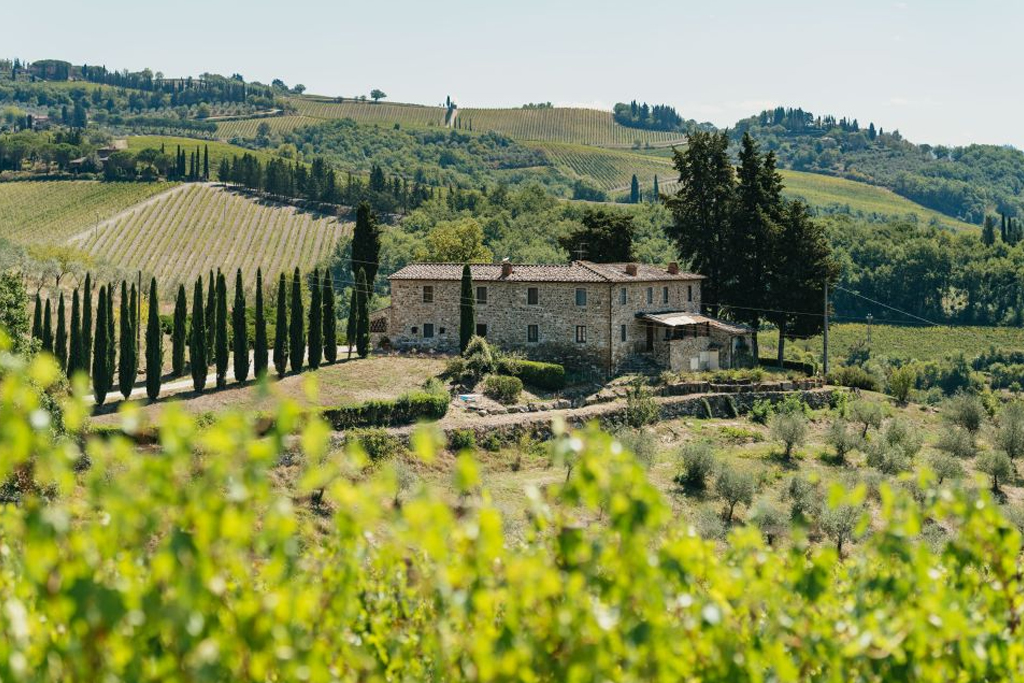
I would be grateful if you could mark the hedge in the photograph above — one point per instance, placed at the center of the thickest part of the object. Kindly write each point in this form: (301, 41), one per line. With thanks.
(550, 376)
(502, 388)
(423, 404)
(806, 368)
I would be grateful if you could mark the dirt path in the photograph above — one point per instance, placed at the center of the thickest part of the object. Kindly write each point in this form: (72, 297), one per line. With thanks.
(80, 237)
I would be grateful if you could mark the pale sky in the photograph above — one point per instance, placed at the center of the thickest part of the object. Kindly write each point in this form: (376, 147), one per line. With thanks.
(941, 71)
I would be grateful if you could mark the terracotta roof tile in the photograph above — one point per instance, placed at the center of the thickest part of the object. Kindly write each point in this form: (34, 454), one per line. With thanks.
(577, 271)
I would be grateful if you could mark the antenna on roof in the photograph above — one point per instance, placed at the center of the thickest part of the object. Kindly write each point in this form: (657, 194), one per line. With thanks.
(581, 251)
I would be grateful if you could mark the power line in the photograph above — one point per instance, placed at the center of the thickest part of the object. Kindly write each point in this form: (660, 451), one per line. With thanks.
(891, 308)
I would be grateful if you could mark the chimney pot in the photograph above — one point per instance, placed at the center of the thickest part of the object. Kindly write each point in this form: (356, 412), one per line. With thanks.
(506, 267)
(673, 268)
(631, 269)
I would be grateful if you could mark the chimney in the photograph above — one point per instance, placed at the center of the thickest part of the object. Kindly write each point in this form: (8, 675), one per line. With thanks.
(673, 268)
(506, 267)
(631, 269)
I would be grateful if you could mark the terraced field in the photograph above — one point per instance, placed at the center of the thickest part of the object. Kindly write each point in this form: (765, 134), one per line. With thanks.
(609, 169)
(53, 211)
(561, 124)
(246, 129)
(200, 227)
(368, 112)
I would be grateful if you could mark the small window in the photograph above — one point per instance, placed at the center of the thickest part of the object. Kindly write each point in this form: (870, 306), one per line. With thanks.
(415, 330)
(441, 331)
(428, 330)
(428, 294)
(581, 334)
(532, 333)
(650, 295)
(532, 296)
(581, 296)
(481, 330)
(664, 295)
(481, 295)
(622, 332)
(622, 296)
(689, 292)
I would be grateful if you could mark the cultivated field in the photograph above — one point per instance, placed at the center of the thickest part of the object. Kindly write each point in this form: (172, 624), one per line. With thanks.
(53, 211)
(200, 227)
(609, 169)
(368, 112)
(570, 125)
(218, 150)
(247, 128)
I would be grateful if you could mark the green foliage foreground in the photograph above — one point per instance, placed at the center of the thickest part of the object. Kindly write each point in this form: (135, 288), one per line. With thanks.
(191, 564)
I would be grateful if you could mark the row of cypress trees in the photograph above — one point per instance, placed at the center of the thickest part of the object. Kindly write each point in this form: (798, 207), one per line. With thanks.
(303, 340)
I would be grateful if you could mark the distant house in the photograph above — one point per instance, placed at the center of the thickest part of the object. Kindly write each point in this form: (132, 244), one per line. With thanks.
(600, 315)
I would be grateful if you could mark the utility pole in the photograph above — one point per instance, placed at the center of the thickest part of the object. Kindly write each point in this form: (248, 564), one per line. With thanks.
(825, 364)
(869, 318)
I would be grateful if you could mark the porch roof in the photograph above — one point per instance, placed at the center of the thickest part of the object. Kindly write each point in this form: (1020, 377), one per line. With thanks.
(684, 319)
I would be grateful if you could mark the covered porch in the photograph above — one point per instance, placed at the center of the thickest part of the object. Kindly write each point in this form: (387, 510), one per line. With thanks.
(690, 342)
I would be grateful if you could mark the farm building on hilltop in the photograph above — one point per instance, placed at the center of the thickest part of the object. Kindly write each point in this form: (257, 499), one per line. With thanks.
(601, 315)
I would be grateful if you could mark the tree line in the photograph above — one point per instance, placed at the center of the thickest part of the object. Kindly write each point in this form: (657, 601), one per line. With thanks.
(649, 117)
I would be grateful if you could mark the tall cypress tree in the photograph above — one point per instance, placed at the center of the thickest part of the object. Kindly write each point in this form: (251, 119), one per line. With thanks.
(351, 324)
(366, 243)
(281, 329)
(126, 368)
(239, 333)
(316, 328)
(206, 162)
(37, 319)
(100, 380)
(111, 337)
(330, 320)
(259, 356)
(178, 334)
(87, 323)
(154, 345)
(467, 309)
(657, 192)
(75, 336)
(211, 318)
(221, 336)
(60, 342)
(47, 328)
(363, 316)
(197, 339)
(634, 190)
(296, 326)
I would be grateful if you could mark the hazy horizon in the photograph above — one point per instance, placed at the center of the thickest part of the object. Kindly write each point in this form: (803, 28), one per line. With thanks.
(934, 70)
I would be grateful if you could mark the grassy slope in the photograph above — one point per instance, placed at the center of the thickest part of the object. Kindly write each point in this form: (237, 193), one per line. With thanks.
(53, 211)
(246, 129)
(198, 228)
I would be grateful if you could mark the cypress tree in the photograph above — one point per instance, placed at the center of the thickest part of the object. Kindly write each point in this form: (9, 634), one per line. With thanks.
(988, 231)
(60, 343)
(363, 316)
(75, 337)
(634, 190)
(259, 356)
(126, 368)
(111, 344)
(221, 335)
(211, 317)
(47, 328)
(37, 319)
(316, 327)
(87, 323)
(330, 320)
(206, 162)
(197, 339)
(657, 193)
(99, 365)
(350, 326)
(281, 330)
(296, 327)
(154, 345)
(239, 333)
(178, 333)
(467, 309)
(366, 243)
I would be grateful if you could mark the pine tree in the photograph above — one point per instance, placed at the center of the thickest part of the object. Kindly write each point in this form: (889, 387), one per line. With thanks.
(60, 342)
(366, 243)
(47, 328)
(634, 190)
(75, 336)
(259, 359)
(37, 320)
(281, 329)
(197, 340)
(211, 318)
(330, 319)
(350, 325)
(178, 334)
(154, 345)
(363, 315)
(221, 333)
(126, 369)
(239, 333)
(87, 324)
(316, 328)
(100, 380)
(467, 309)
(296, 326)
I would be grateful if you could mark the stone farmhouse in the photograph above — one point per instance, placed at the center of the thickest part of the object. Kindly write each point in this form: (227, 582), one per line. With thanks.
(601, 315)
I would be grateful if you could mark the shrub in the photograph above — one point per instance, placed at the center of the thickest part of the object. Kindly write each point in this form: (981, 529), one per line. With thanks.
(997, 465)
(462, 439)
(793, 404)
(901, 435)
(842, 439)
(641, 408)
(379, 444)
(804, 497)
(479, 359)
(901, 382)
(855, 377)
(770, 519)
(429, 403)
(868, 414)
(839, 522)
(1009, 435)
(790, 429)
(945, 466)
(548, 376)
(966, 412)
(503, 389)
(958, 443)
(697, 464)
(733, 486)
(887, 458)
(641, 443)
(761, 411)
